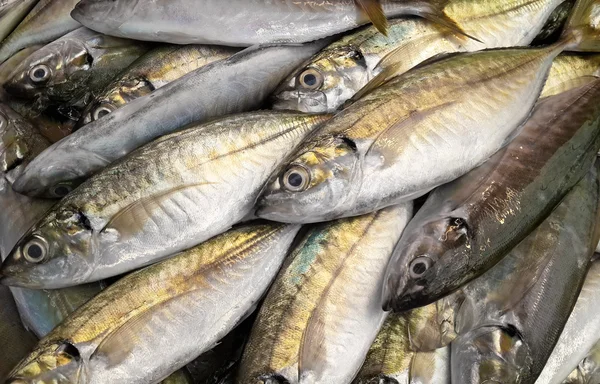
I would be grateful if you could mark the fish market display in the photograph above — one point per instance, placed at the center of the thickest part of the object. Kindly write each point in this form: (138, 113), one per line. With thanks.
(240, 82)
(340, 70)
(467, 226)
(123, 334)
(47, 21)
(244, 23)
(155, 69)
(580, 334)
(510, 322)
(324, 299)
(165, 197)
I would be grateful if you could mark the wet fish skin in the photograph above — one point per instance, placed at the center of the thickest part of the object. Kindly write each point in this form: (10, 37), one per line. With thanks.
(331, 261)
(581, 331)
(519, 308)
(503, 201)
(47, 21)
(12, 13)
(76, 65)
(186, 100)
(588, 371)
(570, 71)
(159, 200)
(156, 320)
(153, 70)
(344, 67)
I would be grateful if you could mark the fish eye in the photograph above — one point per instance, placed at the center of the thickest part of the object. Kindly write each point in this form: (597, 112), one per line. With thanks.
(310, 79)
(61, 190)
(35, 250)
(3, 121)
(296, 178)
(39, 73)
(102, 110)
(419, 266)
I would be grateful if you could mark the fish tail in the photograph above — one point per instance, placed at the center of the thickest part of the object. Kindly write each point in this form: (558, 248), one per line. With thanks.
(582, 32)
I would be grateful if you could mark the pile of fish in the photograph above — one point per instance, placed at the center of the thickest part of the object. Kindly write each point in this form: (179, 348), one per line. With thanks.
(300, 191)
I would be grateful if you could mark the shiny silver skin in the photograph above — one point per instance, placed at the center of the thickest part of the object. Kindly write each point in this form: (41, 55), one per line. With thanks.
(588, 370)
(166, 197)
(237, 84)
(12, 13)
(46, 22)
(235, 22)
(580, 334)
(513, 314)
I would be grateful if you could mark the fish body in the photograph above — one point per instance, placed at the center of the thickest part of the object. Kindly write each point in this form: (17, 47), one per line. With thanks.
(165, 197)
(46, 22)
(588, 371)
(571, 71)
(467, 226)
(241, 82)
(580, 334)
(154, 321)
(12, 13)
(239, 22)
(419, 130)
(323, 301)
(513, 315)
(339, 71)
(155, 69)
(73, 67)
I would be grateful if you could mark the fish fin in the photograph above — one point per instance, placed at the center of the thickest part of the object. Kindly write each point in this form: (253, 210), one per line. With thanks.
(567, 85)
(581, 31)
(466, 316)
(421, 365)
(309, 358)
(374, 11)
(131, 219)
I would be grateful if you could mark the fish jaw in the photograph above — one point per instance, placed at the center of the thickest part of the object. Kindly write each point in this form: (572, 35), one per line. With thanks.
(58, 363)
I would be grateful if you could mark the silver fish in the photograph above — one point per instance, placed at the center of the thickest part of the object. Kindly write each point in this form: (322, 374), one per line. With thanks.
(588, 371)
(12, 13)
(236, 84)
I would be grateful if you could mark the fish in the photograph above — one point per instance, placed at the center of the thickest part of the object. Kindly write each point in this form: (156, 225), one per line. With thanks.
(581, 332)
(12, 13)
(155, 69)
(241, 82)
(552, 30)
(181, 376)
(40, 310)
(72, 68)
(7, 68)
(513, 315)
(334, 75)
(323, 300)
(157, 201)
(46, 22)
(570, 71)
(465, 227)
(412, 134)
(588, 371)
(155, 320)
(15, 341)
(242, 23)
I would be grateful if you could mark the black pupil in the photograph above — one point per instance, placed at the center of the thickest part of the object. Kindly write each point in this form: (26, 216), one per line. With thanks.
(295, 179)
(61, 191)
(103, 112)
(419, 268)
(310, 80)
(39, 73)
(34, 251)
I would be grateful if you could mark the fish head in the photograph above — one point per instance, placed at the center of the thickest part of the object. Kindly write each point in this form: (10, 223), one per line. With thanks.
(492, 355)
(426, 261)
(53, 253)
(53, 363)
(323, 85)
(313, 185)
(55, 72)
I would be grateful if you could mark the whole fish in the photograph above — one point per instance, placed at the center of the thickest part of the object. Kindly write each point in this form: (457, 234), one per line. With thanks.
(241, 82)
(155, 69)
(40, 310)
(588, 371)
(513, 315)
(71, 68)
(154, 321)
(47, 21)
(339, 71)
(167, 196)
(244, 23)
(15, 341)
(580, 334)
(323, 301)
(392, 360)
(571, 71)
(12, 12)
(416, 132)
(468, 225)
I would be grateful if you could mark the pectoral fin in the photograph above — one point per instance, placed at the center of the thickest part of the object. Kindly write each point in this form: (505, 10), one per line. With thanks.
(374, 10)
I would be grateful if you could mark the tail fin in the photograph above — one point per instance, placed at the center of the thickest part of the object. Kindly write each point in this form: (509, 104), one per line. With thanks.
(583, 27)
